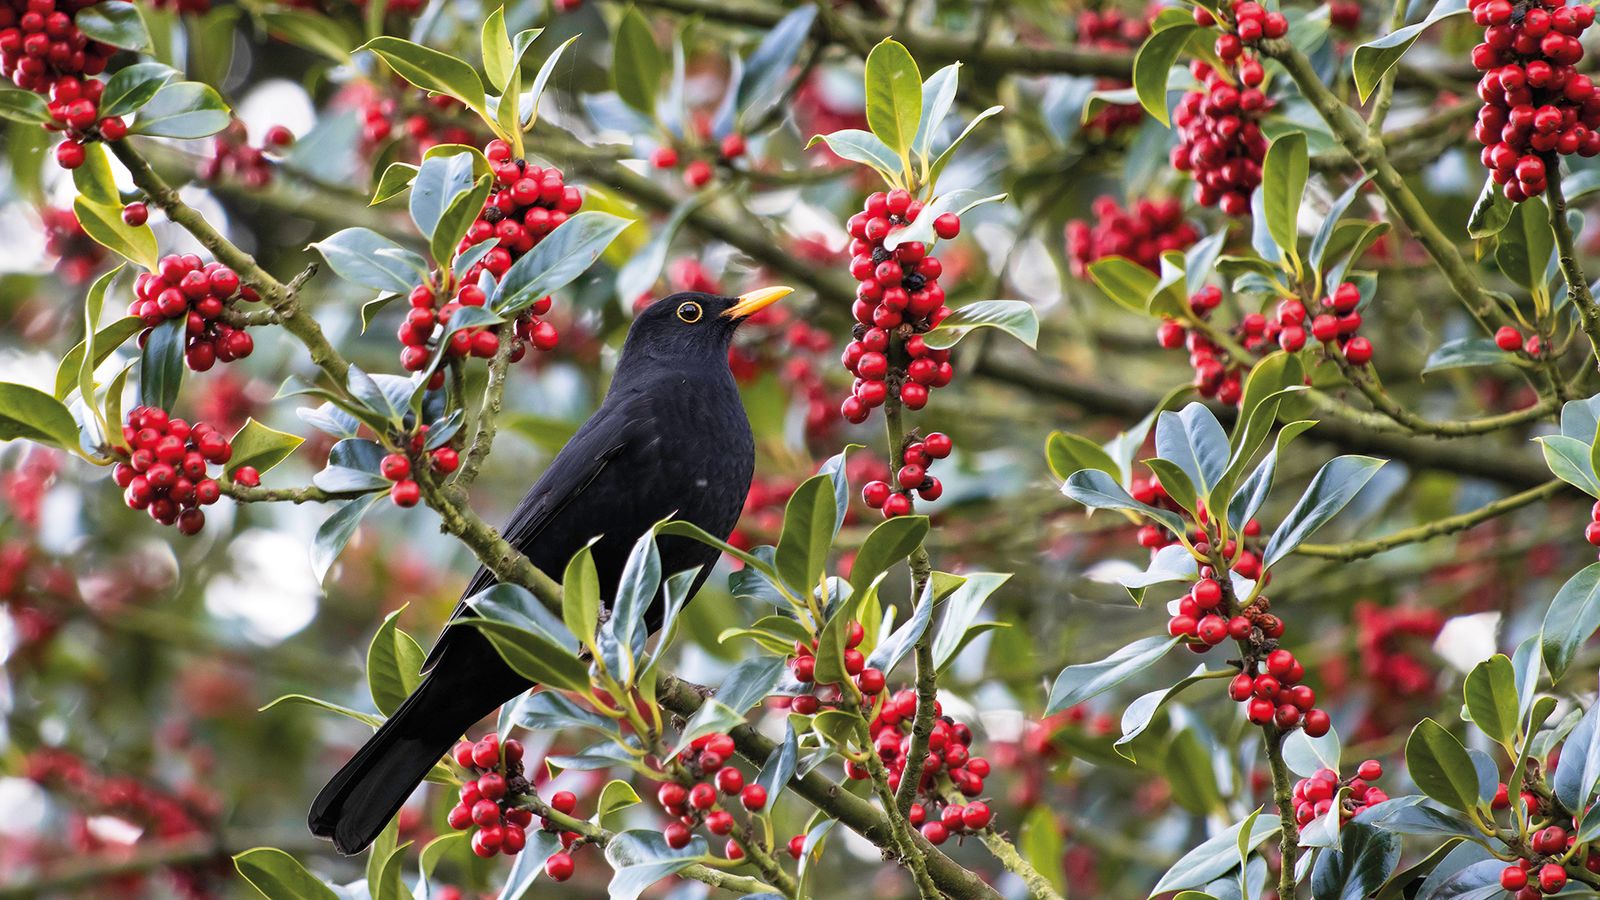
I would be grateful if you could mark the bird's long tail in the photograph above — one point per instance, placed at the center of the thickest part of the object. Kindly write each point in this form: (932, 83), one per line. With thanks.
(361, 799)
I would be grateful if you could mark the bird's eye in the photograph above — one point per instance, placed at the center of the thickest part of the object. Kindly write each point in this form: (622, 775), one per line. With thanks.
(689, 312)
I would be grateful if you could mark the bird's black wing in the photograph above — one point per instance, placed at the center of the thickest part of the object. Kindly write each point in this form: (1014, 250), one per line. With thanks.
(606, 436)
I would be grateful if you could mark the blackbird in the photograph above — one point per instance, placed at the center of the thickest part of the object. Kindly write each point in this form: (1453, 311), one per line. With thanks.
(670, 439)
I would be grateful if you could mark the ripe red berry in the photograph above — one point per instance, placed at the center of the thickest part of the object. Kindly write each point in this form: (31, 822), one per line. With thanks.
(976, 816)
(1508, 339)
(677, 835)
(559, 867)
(1358, 351)
(395, 467)
(1513, 878)
(664, 158)
(405, 494)
(135, 214)
(947, 226)
(730, 780)
(1552, 878)
(753, 797)
(562, 802)
(672, 795)
(935, 832)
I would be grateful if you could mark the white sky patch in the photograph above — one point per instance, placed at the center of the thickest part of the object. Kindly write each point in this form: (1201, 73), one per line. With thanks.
(1465, 641)
(24, 807)
(272, 592)
(276, 102)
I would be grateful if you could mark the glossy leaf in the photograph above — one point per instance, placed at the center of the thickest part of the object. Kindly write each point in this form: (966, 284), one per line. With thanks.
(353, 255)
(103, 222)
(30, 414)
(641, 857)
(430, 69)
(1333, 487)
(114, 22)
(277, 875)
(1358, 866)
(1491, 695)
(557, 261)
(1572, 619)
(1152, 66)
(187, 110)
(261, 447)
(1216, 856)
(637, 64)
(861, 147)
(1283, 183)
(808, 524)
(394, 665)
(336, 531)
(1372, 59)
(1440, 766)
(1014, 317)
(161, 365)
(1081, 682)
(887, 544)
(894, 96)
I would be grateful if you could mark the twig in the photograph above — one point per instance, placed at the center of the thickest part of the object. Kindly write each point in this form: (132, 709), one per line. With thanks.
(493, 401)
(1430, 530)
(1571, 269)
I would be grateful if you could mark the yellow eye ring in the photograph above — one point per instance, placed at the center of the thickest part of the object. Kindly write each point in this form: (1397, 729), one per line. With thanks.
(689, 312)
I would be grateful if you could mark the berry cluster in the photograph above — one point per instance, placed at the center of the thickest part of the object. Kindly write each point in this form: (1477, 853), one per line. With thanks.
(1314, 796)
(1339, 324)
(1141, 233)
(898, 293)
(1275, 695)
(488, 797)
(1216, 373)
(165, 472)
(43, 49)
(424, 321)
(64, 238)
(75, 110)
(398, 468)
(424, 121)
(232, 155)
(1250, 23)
(949, 754)
(1509, 339)
(1220, 143)
(699, 172)
(694, 800)
(1519, 878)
(804, 667)
(1112, 29)
(917, 459)
(184, 287)
(1535, 104)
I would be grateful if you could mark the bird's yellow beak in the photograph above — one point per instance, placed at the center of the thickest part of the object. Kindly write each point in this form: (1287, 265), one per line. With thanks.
(753, 302)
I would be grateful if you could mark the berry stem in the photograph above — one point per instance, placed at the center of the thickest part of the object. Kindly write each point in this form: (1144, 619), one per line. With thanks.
(1367, 383)
(1385, 94)
(927, 677)
(1283, 798)
(1004, 852)
(900, 827)
(758, 854)
(1571, 269)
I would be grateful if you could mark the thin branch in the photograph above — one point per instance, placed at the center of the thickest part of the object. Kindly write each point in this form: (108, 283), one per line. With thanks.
(1436, 528)
(1571, 270)
(1283, 798)
(493, 401)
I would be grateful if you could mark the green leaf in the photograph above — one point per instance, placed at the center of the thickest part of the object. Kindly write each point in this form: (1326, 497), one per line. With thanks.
(1124, 281)
(31, 414)
(495, 44)
(24, 106)
(384, 860)
(1138, 715)
(1283, 183)
(134, 86)
(861, 147)
(1096, 490)
(1440, 766)
(186, 110)
(1574, 780)
(442, 178)
(1217, 856)
(354, 255)
(637, 64)
(1374, 58)
(713, 717)
(114, 22)
(887, 544)
(1188, 767)
(336, 531)
(94, 179)
(1570, 460)
(1522, 249)
(894, 96)
(1193, 440)
(313, 31)
(1081, 682)
(1572, 619)
(558, 260)
(1067, 453)
(299, 699)
(641, 857)
(103, 222)
(616, 796)
(938, 95)
(528, 106)
(768, 65)
(960, 609)
(1042, 845)
(1330, 223)
(808, 525)
(395, 180)
(430, 70)
(1358, 866)
(106, 342)
(1464, 353)
(1152, 66)
(580, 596)
(279, 876)
(161, 366)
(257, 445)
(394, 665)
(1333, 487)
(1014, 317)
(1491, 213)
(533, 656)
(1491, 695)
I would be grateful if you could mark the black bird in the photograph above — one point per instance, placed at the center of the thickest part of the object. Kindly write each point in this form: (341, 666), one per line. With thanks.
(671, 437)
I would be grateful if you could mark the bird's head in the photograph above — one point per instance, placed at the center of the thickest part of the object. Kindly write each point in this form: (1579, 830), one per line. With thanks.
(691, 324)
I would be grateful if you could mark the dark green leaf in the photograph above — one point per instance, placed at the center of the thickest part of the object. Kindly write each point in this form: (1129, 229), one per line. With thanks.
(1283, 183)
(394, 665)
(1573, 616)
(186, 110)
(1466, 352)
(24, 106)
(557, 261)
(808, 525)
(1152, 65)
(1014, 317)
(1440, 766)
(1216, 856)
(641, 857)
(1359, 866)
(1491, 213)
(114, 22)
(31, 414)
(1333, 487)
(1491, 695)
(1081, 682)
(430, 69)
(887, 544)
(336, 531)
(279, 876)
(133, 86)
(894, 96)
(261, 447)
(353, 255)
(637, 64)
(161, 366)
(1374, 58)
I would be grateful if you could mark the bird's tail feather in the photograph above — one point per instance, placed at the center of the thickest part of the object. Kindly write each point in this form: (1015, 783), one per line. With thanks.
(361, 799)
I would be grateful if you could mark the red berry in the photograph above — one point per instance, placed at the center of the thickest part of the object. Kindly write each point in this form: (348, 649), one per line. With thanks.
(730, 780)
(1508, 339)
(395, 467)
(559, 867)
(405, 494)
(135, 214)
(677, 835)
(753, 797)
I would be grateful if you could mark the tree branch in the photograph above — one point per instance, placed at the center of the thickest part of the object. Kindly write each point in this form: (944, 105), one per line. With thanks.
(1436, 528)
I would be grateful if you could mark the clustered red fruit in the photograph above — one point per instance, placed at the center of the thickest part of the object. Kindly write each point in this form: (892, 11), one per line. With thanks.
(1216, 373)
(1535, 104)
(1339, 324)
(1525, 883)
(423, 321)
(1220, 143)
(425, 121)
(1509, 339)
(949, 754)
(43, 50)
(489, 796)
(232, 156)
(1314, 796)
(699, 172)
(184, 287)
(1112, 29)
(65, 239)
(1344, 14)
(166, 466)
(916, 461)
(1591, 532)
(898, 294)
(1140, 233)
(1152, 537)
(695, 799)
(399, 468)
(803, 665)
